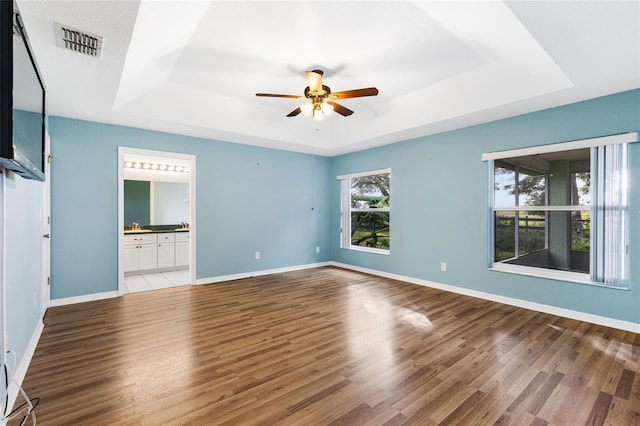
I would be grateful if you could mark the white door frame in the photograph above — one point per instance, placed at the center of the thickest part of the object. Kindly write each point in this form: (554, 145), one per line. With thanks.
(45, 219)
(122, 151)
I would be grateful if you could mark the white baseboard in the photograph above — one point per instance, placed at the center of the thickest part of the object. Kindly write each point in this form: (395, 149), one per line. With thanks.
(199, 281)
(84, 298)
(243, 275)
(553, 310)
(21, 371)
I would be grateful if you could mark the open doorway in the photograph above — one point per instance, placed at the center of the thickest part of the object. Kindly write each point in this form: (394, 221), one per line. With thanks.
(156, 219)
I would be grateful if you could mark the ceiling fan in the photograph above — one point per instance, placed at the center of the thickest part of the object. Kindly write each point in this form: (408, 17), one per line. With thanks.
(321, 99)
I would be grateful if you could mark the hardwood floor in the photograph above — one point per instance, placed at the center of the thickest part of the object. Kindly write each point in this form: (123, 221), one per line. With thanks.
(327, 346)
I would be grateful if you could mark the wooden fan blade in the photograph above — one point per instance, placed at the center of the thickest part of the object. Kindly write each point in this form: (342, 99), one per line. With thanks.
(275, 95)
(340, 109)
(357, 93)
(294, 112)
(315, 80)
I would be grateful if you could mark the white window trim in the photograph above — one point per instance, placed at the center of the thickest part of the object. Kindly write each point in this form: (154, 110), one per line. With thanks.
(564, 146)
(543, 208)
(572, 277)
(368, 250)
(554, 274)
(360, 174)
(345, 205)
(576, 277)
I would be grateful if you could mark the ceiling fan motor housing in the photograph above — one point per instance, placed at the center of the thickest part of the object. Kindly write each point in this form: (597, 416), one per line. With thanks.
(324, 93)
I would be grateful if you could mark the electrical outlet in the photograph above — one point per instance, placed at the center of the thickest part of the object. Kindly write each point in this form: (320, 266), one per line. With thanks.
(317, 249)
(443, 266)
(257, 255)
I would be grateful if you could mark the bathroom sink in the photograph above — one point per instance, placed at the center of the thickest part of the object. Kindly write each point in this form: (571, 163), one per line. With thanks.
(181, 229)
(137, 231)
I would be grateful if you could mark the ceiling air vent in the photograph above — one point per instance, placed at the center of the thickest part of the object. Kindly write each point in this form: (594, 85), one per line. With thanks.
(78, 41)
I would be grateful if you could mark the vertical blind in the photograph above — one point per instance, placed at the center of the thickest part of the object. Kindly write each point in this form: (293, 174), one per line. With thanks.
(610, 204)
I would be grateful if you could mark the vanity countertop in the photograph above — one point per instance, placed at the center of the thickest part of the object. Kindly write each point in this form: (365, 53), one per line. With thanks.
(137, 231)
(154, 231)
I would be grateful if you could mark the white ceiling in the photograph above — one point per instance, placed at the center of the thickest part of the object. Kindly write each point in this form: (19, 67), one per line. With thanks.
(193, 68)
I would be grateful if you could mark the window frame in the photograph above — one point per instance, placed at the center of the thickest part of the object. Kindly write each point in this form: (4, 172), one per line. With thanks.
(593, 277)
(518, 210)
(346, 210)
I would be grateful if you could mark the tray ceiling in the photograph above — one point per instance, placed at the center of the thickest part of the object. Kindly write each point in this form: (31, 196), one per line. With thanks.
(193, 68)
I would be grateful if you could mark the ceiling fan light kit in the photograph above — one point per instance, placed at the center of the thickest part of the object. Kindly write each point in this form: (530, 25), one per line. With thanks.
(320, 99)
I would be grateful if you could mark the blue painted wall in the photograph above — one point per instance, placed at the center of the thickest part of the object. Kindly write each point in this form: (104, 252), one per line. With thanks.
(439, 204)
(283, 204)
(247, 199)
(23, 260)
(21, 208)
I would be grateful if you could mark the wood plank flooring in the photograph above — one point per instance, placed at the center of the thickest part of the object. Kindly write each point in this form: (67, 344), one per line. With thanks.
(327, 346)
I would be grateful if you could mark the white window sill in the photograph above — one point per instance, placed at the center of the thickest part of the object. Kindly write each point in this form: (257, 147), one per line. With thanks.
(368, 250)
(552, 274)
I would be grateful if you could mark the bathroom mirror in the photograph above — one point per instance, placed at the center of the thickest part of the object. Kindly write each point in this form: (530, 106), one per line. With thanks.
(155, 203)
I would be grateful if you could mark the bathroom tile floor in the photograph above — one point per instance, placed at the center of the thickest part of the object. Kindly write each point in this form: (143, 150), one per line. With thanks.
(146, 282)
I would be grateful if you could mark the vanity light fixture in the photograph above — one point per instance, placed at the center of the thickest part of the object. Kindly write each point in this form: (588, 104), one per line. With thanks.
(155, 166)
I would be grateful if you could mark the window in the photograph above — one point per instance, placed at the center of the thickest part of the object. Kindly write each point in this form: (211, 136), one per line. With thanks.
(561, 211)
(366, 211)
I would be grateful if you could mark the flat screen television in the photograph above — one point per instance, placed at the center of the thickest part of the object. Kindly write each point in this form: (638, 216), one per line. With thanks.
(22, 99)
